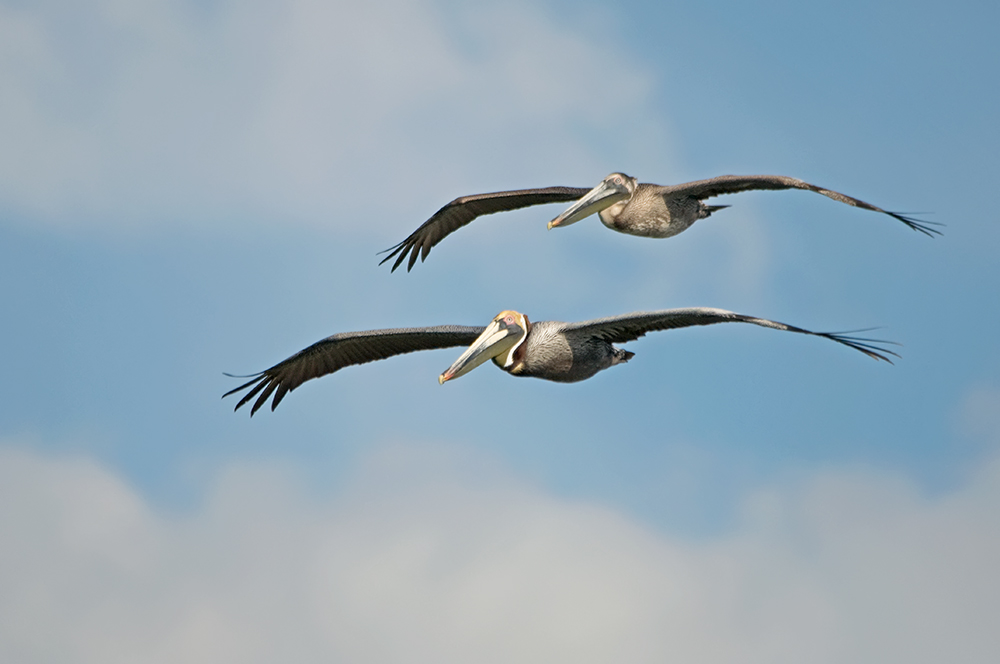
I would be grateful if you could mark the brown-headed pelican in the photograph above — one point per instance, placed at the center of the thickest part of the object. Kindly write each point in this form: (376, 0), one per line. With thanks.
(561, 352)
(623, 205)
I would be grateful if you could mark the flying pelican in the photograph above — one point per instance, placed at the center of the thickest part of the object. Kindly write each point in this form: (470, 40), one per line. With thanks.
(623, 205)
(561, 352)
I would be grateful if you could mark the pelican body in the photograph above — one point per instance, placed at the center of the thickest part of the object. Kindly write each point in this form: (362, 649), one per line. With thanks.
(622, 203)
(551, 350)
(646, 210)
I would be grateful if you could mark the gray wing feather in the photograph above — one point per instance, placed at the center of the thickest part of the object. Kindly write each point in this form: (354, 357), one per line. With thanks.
(344, 350)
(463, 210)
(732, 184)
(629, 327)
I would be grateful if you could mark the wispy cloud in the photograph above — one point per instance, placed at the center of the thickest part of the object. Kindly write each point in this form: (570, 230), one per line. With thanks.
(166, 113)
(433, 556)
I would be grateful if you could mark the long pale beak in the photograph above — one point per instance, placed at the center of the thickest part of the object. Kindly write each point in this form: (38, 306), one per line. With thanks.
(600, 197)
(496, 339)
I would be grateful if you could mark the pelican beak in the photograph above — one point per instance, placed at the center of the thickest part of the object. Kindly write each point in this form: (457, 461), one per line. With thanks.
(600, 197)
(498, 338)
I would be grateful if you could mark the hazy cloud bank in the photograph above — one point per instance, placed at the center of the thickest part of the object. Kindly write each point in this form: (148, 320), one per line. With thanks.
(430, 556)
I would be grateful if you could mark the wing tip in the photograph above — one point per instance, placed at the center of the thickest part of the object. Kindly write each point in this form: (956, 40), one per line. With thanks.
(398, 252)
(920, 225)
(873, 348)
(257, 382)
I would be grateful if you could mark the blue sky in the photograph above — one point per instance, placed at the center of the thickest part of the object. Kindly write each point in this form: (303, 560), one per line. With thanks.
(192, 188)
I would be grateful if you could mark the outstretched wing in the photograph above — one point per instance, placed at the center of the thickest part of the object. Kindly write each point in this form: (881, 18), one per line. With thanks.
(732, 184)
(343, 350)
(628, 327)
(463, 210)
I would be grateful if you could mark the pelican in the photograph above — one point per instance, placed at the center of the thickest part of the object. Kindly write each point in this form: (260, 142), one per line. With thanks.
(560, 352)
(622, 204)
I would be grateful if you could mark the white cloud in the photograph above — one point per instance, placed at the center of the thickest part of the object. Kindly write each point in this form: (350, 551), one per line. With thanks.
(428, 557)
(360, 118)
(117, 114)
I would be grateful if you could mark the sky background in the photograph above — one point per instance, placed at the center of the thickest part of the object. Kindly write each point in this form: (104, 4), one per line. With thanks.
(191, 188)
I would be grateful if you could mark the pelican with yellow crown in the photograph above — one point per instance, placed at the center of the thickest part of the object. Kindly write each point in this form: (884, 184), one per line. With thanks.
(552, 350)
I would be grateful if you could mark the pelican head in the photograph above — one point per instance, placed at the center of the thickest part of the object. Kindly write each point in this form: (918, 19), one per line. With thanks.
(497, 342)
(614, 188)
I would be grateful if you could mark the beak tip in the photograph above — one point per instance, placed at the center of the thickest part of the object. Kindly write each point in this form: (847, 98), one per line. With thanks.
(441, 379)
(552, 224)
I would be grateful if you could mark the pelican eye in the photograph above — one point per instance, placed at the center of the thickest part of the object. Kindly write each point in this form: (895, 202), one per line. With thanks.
(618, 180)
(509, 320)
